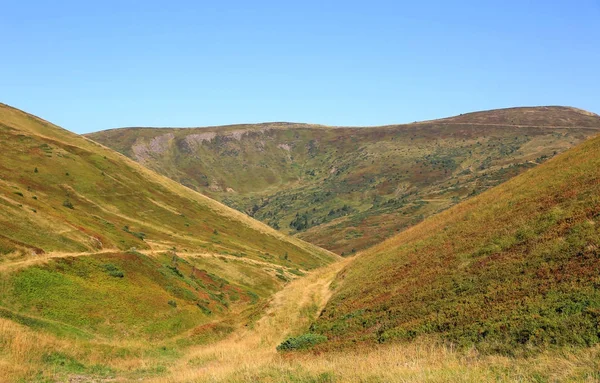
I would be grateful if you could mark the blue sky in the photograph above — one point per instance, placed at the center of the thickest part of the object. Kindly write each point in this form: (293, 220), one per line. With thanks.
(89, 66)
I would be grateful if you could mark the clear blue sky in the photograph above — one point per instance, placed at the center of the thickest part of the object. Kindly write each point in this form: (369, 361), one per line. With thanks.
(96, 65)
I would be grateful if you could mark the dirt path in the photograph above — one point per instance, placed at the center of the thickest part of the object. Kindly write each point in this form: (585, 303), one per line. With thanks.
(289, 312)
(43, 258)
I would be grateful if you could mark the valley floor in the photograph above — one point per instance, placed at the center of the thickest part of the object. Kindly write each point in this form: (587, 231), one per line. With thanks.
(249, 354)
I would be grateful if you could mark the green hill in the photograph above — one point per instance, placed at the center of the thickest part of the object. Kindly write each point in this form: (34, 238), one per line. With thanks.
(511, 270)
(346, 189)
(96, 249)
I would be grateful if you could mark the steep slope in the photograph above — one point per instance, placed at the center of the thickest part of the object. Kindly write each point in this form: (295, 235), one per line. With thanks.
(62, 192)
(349, 188)
(95, 247)
(513, 269)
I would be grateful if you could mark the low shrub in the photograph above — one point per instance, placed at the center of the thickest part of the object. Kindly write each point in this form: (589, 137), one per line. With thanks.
(113, 270)
(301, 342)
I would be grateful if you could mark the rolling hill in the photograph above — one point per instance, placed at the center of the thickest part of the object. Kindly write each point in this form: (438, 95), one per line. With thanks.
(104, 255)
(346, 189)
(112, 272)
(511, 271)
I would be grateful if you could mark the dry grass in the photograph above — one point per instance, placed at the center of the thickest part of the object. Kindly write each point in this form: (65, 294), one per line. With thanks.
(289, 312)
(249, 355)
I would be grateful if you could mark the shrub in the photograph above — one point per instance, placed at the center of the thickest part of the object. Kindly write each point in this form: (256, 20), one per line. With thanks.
(204, 309)
(175, 270)
(113, 270)
(68, 204)
(137, 234)
(301, 342)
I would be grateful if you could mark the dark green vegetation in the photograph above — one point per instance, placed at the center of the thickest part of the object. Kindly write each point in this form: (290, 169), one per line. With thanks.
(301, 342)
(514, 269)
(349, 188)
(92, 243)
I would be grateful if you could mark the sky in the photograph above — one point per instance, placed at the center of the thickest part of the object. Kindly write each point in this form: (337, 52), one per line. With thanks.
(94, 65)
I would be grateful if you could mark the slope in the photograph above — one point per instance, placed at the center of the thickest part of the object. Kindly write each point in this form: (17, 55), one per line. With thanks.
(62, 192)
(511, 270)
(102, 253)
(349, 188)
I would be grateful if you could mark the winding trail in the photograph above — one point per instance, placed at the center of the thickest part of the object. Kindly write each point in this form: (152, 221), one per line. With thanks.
(43, 258)
(289, 312)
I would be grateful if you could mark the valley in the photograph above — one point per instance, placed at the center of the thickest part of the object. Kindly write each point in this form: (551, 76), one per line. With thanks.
(346, 189)
(471, 243)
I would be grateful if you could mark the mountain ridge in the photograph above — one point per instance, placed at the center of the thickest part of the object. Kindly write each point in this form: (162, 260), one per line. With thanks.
(284, 124)
(346, 188)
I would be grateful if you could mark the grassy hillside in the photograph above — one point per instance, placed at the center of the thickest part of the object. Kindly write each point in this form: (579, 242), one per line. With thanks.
(62, 192)
(349, 188)
(110, 272)
(511, 270)
(102, 254)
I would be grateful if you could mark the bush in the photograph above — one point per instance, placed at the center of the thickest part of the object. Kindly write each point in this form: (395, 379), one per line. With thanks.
(68, 204)
(137, 234)
(301, 342)
(113, 270)
(175, 271)
(204, 309)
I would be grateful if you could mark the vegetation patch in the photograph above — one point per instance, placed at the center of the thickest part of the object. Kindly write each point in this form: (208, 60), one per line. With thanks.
(301, 342)
(511, 271)
(113, 270)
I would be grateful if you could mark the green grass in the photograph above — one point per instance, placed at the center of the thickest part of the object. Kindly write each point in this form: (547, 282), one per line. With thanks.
(107, 295)
(512, 271)
(351, 188)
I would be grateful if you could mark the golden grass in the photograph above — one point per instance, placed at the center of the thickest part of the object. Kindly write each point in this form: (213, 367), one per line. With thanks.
(289, 312)
(249, 355)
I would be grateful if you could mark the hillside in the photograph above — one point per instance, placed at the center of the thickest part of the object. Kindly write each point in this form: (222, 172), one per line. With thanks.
(346, 189)
(510, 271)
(548, 116)
(102, 254)
(111, 272)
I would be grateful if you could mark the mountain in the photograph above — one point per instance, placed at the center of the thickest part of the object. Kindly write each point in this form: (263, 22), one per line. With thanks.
(346, 189)
(512, 270)
(111, 272)
(95, 248)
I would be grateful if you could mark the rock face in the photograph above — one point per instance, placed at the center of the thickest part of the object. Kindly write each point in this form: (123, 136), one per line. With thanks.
(158, 145)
